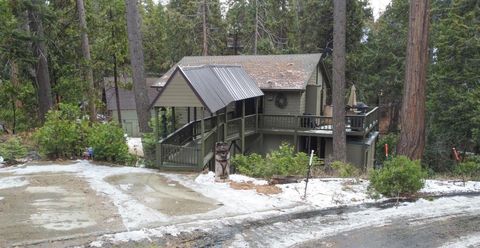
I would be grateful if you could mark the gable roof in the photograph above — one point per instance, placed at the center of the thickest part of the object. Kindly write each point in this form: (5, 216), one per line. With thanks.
(216, 86)
(281, 72)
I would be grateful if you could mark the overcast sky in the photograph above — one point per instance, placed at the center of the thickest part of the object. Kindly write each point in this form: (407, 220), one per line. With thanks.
(378, 7)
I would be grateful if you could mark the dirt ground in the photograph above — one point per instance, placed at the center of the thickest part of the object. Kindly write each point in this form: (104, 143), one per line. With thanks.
(53, 205)
(262, 189)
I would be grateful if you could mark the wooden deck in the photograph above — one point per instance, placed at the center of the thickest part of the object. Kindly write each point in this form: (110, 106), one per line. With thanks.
(190, 147)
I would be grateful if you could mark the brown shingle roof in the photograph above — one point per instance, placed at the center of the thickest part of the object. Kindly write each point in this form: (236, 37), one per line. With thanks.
(286, 72)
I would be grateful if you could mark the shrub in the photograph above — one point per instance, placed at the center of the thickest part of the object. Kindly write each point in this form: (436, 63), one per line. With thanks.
(390, 139)
(345, 169)
(12, 149)
(399, 176)
(108, 143)
(62, 134)
(283, 162)
(287, 162)
(468, 170)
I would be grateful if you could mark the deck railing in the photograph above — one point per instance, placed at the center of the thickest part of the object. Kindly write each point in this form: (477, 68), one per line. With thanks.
(176, 149)
(181, 155)
(233, 126)
(353, 122)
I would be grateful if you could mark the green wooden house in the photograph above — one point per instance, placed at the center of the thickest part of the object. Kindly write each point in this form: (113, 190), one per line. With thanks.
(254, 103)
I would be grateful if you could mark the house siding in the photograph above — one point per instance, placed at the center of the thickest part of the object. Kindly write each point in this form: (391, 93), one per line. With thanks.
(178, 93)
(129, 122)
(295, 103)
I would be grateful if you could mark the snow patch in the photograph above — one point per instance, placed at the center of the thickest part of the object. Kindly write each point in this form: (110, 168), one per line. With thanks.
(442, 186)
(243, 179)
(471, 240)
(144, 233)
(13, 182)
(330, 192)
(96, 244)
(135, 146)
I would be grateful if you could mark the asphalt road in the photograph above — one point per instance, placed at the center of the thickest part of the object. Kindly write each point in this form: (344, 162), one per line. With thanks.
(401, 233)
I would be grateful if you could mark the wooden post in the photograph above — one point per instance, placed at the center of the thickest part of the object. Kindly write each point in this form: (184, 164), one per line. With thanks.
(188, 114)
(242, 129)
(194, 119)
(225, 125)
(202, 144)
(256, 114)
(173, 119)
(295, 136)
(164, 122)
(157, 124)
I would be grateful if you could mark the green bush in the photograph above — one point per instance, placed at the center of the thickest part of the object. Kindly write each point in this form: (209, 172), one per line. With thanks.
(283, 162)
(12, 149)
(108, 143)
(399, 176)
(469, 170)
(345, 169)
(253, 165)
(63, 134)
(391, 139)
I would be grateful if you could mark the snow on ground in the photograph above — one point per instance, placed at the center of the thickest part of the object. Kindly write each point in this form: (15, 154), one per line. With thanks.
(13, 182)
(442, 187)
(135, 146)
(328, 225)
(321, 193)
(328, 192)
(234, 201)
(471, 240)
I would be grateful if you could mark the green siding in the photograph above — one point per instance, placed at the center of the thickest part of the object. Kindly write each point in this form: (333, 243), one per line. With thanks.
(178, 93)
(295, 104)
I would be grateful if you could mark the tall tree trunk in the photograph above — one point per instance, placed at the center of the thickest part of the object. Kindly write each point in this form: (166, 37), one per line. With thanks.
(205, 30)
(115, 74)
(16, 86)
(339, 136)
(88, 60)
(117, 96)
(42, 75)
(137, 61)
(412, 118)
(255, 40)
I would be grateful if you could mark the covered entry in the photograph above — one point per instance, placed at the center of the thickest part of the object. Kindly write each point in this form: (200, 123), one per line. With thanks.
(207, 95)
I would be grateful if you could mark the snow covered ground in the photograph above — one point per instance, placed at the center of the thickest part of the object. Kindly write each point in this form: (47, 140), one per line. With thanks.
(235, 204)
(135, 146)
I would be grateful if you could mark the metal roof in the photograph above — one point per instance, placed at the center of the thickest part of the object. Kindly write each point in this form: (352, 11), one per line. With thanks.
(271, 72)
(218, 85)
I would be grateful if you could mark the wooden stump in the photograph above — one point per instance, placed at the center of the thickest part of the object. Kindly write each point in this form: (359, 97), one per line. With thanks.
(222, 161)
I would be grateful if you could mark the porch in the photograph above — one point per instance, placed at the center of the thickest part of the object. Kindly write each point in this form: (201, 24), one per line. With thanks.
(191, 146)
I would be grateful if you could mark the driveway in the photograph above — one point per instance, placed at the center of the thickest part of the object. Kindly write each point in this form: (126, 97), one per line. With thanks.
(48, 201)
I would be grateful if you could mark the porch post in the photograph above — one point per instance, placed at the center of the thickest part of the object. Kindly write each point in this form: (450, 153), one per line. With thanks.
(225, 125)
(194, 129)
(295, 136)
(173, 119)
(202, 144)
(242, 129)
(188, 114)
(256, 114)
(157, 124)
(158, 146)
(164, 122)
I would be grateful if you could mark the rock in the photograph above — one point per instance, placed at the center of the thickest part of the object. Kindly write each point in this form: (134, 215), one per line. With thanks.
(33, 156)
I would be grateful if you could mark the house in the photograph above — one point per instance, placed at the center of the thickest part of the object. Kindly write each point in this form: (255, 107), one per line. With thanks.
(126, 97)
(254, 102)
